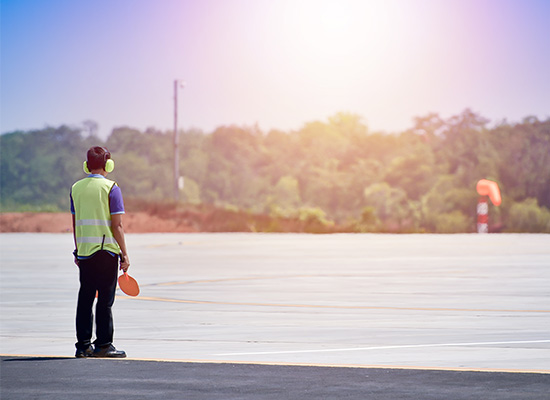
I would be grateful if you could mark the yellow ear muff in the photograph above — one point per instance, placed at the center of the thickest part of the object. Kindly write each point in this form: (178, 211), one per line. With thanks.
(109, 165)
(85, 167)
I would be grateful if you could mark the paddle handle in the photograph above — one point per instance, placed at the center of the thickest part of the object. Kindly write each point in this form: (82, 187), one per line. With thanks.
(122, 256)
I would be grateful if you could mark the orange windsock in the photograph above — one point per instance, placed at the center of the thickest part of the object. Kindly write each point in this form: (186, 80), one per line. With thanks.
(483, 187)
(489, 188)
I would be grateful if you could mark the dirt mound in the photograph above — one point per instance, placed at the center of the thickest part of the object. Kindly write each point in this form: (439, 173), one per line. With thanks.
(138, 222)
(35, 222)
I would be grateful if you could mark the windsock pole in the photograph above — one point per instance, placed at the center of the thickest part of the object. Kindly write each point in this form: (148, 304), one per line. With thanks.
(482, 215)
(486, 188)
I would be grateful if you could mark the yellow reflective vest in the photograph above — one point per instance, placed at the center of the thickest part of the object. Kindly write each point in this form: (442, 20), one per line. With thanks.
(93, 217)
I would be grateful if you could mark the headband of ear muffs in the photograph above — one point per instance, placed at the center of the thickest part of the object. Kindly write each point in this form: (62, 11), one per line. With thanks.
(109, 165)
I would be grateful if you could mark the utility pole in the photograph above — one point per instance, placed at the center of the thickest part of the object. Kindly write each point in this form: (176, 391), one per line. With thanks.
(177, 83)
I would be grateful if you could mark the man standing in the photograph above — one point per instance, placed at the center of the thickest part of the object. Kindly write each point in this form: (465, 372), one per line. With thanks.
(97, 208)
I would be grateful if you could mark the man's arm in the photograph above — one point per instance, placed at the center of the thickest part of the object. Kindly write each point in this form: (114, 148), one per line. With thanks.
(118, 233)
(74, 237)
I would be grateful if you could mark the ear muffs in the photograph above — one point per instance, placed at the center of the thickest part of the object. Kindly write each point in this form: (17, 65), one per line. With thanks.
(109, 166)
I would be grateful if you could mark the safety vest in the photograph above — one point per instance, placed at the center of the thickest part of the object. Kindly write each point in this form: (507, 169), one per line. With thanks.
(93, 217)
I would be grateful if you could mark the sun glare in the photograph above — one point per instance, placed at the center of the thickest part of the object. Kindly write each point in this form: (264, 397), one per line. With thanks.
(325, 34)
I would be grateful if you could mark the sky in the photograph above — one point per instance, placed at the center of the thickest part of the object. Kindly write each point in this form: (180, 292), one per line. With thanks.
(277, 64)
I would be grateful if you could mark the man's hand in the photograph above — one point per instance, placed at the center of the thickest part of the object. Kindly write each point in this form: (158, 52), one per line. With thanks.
(124, 262)
(118, 233)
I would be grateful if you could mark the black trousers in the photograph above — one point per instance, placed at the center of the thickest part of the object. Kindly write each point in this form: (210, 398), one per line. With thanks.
(98, 273)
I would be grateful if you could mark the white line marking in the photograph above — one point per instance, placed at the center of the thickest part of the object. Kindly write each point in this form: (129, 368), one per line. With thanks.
(411, 346)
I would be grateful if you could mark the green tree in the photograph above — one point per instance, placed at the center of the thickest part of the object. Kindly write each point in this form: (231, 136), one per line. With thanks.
(392, 206)
(37, 168)
(522, 156)
(191, 191)
(286, 193)
(447, 198)
(413, 173)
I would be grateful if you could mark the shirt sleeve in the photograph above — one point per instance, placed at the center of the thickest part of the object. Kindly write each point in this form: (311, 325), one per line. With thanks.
(116, 203)
(72, 204)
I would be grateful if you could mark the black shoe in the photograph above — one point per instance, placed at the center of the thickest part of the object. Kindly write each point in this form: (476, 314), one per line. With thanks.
(108, 352)
(83, 353)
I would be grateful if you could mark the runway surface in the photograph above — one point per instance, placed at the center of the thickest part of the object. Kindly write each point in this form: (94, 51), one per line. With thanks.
(70, 378)
(420, 307)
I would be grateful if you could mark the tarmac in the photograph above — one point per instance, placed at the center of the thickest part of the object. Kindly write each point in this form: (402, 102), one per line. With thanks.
(286, 316)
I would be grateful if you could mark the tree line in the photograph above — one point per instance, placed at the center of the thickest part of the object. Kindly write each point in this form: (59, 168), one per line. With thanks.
(336, 172)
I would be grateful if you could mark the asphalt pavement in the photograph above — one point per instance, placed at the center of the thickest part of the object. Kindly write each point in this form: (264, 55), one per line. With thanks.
(256, 316)
(69, 379)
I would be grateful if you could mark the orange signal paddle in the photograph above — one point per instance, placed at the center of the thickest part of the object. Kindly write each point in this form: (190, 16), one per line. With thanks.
(128, 284)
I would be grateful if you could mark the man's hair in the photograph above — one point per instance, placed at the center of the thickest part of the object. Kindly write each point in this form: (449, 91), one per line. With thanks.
(96, 157)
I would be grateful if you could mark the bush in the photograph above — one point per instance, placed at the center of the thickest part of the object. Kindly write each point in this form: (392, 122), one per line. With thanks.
(368, 222)
(527, 216)
(312, 215)
(453, 222)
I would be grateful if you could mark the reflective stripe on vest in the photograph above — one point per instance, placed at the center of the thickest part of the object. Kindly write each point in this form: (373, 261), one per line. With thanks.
(93, 217)
(83, 222)
(96, 240)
